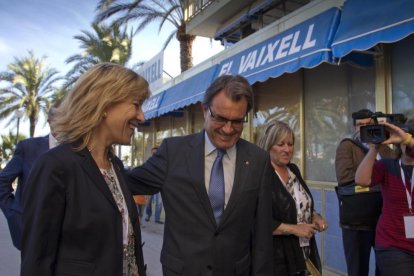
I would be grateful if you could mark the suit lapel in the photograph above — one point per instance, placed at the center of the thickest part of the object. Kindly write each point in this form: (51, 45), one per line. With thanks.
(243, 164)
(90, 167)
(195, 164)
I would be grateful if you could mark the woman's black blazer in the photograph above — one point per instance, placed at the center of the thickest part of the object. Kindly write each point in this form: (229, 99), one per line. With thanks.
(288, 256)
(71, 223)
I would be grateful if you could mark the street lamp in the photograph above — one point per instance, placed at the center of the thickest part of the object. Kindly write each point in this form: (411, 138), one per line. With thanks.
(19, 115)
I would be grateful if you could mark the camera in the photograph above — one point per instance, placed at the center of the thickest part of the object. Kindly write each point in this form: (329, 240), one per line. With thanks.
(377, 133)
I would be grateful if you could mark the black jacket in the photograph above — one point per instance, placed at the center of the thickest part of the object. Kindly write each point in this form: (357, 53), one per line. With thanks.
(287, 254)
(71, 223)
(27, 151)
(193, 243)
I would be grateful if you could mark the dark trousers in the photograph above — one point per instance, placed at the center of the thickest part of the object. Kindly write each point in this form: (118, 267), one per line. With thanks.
(394, 262)
(357, 248)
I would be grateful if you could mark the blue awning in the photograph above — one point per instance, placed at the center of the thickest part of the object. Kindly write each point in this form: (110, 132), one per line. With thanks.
(150, 106)
(187, 92)
(249, 14)
(366, 23)
(303, 46)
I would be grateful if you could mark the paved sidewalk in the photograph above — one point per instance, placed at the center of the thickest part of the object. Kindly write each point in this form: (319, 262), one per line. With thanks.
(152, 234)
(9, 255)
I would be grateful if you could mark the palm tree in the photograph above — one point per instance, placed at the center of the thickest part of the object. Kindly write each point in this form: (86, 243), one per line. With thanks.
(105, 44)
(146, 12)
(8, 146)
(58, 96)
(29, 87)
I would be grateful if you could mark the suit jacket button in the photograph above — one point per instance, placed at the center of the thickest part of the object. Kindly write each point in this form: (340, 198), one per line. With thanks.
(209, 267)
(216, 234)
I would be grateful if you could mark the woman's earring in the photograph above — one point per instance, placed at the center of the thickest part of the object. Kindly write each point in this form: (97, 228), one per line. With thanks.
(104, 115)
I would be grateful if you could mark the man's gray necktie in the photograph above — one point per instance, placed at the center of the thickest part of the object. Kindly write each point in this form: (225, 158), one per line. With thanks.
(216, 189)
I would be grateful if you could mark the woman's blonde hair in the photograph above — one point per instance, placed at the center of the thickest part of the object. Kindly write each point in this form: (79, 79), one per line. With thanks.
(83, 108)
(274, 131)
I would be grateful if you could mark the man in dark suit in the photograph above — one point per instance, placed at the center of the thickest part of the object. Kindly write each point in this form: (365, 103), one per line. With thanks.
(209, 232)
(25, 154)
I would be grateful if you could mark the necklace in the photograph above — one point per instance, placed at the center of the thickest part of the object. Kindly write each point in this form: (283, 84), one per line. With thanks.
(283, 173)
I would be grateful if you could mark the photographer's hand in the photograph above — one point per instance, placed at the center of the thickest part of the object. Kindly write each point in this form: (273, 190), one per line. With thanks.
(398, 136)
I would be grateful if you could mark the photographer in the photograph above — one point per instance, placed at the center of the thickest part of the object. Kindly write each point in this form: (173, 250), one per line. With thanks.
(358, 224)
(394, 243)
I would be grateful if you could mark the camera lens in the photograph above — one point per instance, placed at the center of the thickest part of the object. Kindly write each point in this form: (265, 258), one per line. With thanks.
(375, 133)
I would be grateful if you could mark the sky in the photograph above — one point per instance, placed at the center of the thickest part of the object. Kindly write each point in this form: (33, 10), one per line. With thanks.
(47, 27)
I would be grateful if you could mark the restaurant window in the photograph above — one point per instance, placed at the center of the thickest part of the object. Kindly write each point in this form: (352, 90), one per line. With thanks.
(279, 99)
(332, 94)
(197, 118)
(137, 149)
(163, 127)
(179, 122)
(402, 74)
(142, 143)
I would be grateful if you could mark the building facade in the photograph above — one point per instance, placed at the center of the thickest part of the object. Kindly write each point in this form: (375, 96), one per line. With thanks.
(311, 64)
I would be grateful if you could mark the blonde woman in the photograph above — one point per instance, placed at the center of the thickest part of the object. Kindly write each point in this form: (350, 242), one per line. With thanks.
(295, 219)
(80, 218)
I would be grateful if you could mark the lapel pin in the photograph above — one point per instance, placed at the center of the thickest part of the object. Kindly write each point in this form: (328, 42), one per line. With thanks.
(246, 163)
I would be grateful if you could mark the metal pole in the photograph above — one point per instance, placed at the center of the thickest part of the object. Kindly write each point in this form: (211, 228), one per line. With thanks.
(19, 114)
(119, 152)
(17, 131)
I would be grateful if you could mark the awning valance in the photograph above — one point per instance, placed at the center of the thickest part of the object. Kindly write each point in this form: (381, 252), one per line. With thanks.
(187, 92)
(366, 23)
(150, 106)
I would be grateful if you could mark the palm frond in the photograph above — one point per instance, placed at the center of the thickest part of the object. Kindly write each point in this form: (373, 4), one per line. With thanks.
(169, 38)
(146, 12)
(30, 84)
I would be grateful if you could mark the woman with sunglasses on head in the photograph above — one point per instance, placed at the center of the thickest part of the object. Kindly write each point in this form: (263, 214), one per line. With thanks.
(394, 239)
(79, 216)
(294, 216)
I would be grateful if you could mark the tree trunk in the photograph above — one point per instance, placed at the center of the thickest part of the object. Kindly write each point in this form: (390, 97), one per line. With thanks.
(32, 121)
(186, 47)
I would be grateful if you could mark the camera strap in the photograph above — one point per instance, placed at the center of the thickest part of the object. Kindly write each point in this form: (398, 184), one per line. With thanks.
(409, 218)
(356, 143)
(408, 193)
